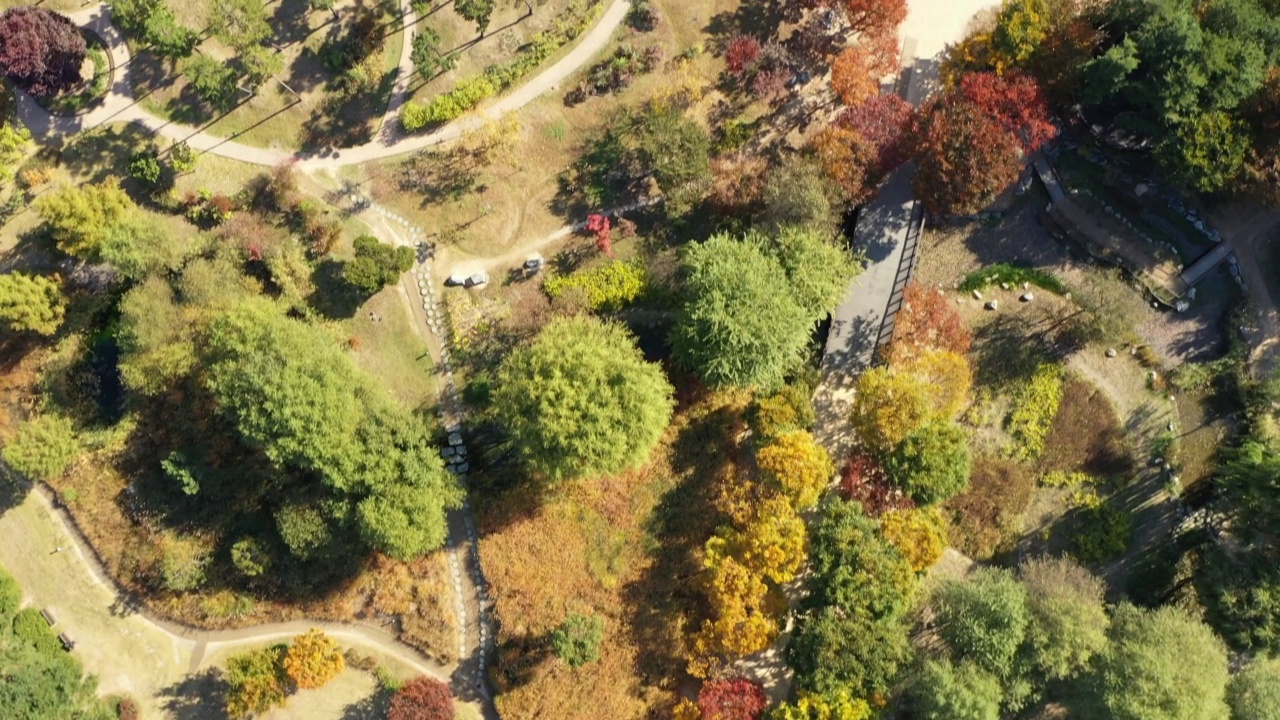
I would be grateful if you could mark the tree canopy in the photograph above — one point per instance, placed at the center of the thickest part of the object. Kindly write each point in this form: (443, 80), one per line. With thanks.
(581, 400)
(932, 463)
(40, 50)
(30, 303)
(376, 265)
(80, 216)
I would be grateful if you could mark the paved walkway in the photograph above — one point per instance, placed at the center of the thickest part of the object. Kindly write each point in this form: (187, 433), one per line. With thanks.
(129, 650)
(119, 105)
(881, 234)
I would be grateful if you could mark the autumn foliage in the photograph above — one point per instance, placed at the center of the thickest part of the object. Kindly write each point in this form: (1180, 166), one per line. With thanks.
(864, 481)
(845, 158)
(732, 699)
(873, 17)
(964, 157)
(857, 70)
(883, 121)
(741, 54)
(798, 465)
(1015, 102)
(40, 50)
(927, 319)
(313, 660)
(422, 698)
(598, 226)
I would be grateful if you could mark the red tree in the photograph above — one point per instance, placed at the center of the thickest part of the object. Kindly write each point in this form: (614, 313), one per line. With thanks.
(863, 480)
(927, 320)
(732, 699)
(422, 698)
(846, 159)
(873, 17)
(882, 121)
(40, 50)
(598, 225)
(770, 84)
(1015, 102)
(741, 54)
(964, 158)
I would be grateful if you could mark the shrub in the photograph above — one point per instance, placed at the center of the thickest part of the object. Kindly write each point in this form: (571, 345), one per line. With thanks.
(10, 597)
(255, 681)
(1103, 531)
(422, 698)
(43, 447)
(577, 640)
(313, 660)
(40, 50)
(931, 464)
(782, 412)
(732, 699)
(376, 265)
(182, 158)
(1035, 406)
(250, 556)
(145, 166)
(1014, 275)
(184, 563)
(986, 516)
(29, 627)
(127, 709)
(608, 287)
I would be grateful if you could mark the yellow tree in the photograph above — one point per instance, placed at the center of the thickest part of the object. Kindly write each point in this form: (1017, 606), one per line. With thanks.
(771, 544)
(313, 659)
(744, 618)
(918, 534)
(948, 377)
(799, 466)
(889, 405)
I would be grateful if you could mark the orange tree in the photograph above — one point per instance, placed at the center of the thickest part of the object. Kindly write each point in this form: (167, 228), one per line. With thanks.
(927, 320)
(313, 660)
(845, 157)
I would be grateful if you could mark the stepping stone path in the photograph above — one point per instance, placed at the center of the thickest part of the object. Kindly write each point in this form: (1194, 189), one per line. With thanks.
(454, 452)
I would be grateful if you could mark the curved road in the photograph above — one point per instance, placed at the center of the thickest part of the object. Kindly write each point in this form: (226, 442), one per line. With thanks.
(120, 106)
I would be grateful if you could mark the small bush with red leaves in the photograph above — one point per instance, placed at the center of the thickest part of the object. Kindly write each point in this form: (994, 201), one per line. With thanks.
(864, 481)
(741, 55)
(732, 699)
(422, 698)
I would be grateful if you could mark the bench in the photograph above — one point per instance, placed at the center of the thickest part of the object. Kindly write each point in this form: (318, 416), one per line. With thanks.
(66, 641)
(48, 617)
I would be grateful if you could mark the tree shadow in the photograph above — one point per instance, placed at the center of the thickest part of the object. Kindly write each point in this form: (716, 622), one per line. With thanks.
(519, 660)
(374, 706)
(196, 697)
(290, 21)
(334, 297)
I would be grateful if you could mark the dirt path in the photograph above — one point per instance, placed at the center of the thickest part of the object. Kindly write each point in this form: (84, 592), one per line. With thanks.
(1250, 232)
(129, 650)
(119, 105)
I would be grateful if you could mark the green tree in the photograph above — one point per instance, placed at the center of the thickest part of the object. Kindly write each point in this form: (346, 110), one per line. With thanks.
(833, 651)
(145, 166)
(1206, 151)
(260, 64)
(80, 216)
(30, 303)
(182, 158)
(43, 447)
(213, 80)
(135, 246)
(156, 337)
(250, 556)
(931, 464)
(854, 567)
(376, 265)
(10, 599)
(984, 619)
(14, 141)
(1254, 693)
(581, 400)
(46, 686)
(675, 150)
(577, 640)
(256, 681)
(426, 56)
(797, 194)
(819, 271)
(1160, 665)
(740, 324)
(1068, 617)
(303, 529)
(943, 691)
(476, 11)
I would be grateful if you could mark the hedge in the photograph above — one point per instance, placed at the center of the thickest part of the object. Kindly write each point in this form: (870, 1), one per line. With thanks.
(496, 78)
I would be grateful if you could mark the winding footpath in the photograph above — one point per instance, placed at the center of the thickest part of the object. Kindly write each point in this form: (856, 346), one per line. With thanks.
(89, 606)
(119, 104)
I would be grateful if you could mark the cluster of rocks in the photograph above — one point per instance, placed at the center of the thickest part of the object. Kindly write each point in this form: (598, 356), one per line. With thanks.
(994, 304)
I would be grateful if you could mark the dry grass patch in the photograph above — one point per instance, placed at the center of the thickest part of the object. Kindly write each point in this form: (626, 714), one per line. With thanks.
(626, 548)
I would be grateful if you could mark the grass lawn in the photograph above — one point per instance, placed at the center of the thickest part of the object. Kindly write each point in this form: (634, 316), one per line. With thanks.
(505, 208)
(301, 115)
(390, 344)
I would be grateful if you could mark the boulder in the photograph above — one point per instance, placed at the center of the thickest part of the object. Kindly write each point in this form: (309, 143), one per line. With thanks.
(992, 305)
(1111, 352)
(1027, 297)
(1004, 286)
(977, 295)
